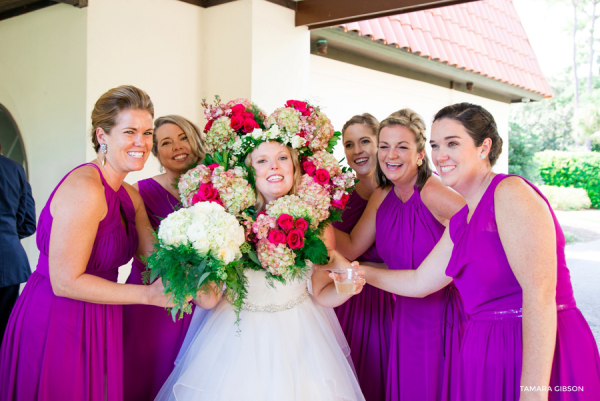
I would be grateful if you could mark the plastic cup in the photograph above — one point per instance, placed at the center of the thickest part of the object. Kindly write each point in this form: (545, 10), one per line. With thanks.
(344, 281)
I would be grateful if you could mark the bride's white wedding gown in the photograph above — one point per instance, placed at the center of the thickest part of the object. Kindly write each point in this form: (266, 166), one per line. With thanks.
(287, 347)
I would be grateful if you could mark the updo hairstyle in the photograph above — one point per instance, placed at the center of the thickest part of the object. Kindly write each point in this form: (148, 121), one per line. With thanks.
(366, 119)
(479, 124)
(109, 105)
(414, 122)
(194, 134)
(260, 199)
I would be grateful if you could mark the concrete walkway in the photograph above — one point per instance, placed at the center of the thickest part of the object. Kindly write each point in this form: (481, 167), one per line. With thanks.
(583, 260)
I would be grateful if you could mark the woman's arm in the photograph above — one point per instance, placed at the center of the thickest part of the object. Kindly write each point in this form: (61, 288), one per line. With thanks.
(442, 201)
(363, 234)
(77, 208)
(428, 278)
(323, 286)
(528, 235)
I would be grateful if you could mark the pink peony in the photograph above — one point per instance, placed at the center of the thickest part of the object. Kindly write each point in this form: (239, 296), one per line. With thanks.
(286, 222)
(238, 109)
(295, 238)
(322, 176)
(309, 167)
(340, 203)
(208, 125)
(236, 123)
(276, 237)
(301, 224)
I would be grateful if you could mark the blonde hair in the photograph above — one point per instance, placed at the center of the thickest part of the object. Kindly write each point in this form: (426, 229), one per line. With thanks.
(414, 122)
(194, 134)
(366, 119)
(260, 199)
(112, 103)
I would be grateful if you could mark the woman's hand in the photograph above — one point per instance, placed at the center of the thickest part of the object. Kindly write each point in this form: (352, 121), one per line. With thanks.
(157, 296)
(359, 281)
(337, 262)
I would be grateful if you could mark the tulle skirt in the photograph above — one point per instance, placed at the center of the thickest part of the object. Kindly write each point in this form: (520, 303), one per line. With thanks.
(293, 354)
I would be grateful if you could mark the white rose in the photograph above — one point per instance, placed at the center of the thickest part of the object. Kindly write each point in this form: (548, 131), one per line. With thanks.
(257, 133)
(273, 132)
(298, 142)
(227, 255)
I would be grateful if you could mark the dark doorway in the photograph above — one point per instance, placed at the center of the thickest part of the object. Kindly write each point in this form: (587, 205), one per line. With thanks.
(10, 139)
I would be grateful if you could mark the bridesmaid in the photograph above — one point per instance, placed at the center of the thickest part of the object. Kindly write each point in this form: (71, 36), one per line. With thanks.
(64, 339)
(407, 215)
(151, 338)
(526, 338)
(366, 319)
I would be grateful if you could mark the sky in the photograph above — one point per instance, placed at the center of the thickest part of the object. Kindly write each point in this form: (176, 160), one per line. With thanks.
(548, 32)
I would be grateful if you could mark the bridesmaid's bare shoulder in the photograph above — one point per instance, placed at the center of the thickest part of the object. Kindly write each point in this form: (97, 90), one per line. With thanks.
(82, 191)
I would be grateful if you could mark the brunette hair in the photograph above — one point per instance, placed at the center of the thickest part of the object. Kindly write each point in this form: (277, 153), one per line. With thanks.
(109, 105)
(260, 199)
(367, 119)
(414, 122)
(479, 124)
(194, 134)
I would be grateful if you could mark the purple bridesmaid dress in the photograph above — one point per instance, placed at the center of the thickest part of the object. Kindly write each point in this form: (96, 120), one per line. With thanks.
(366, 318)
(151, 340)
(427, 331)
(492, 348)
(59, 348)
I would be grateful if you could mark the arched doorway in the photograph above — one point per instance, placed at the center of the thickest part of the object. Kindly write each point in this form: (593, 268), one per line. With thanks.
(10, 139)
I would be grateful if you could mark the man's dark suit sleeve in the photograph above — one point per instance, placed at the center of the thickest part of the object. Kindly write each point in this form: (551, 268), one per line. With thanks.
(26, 211)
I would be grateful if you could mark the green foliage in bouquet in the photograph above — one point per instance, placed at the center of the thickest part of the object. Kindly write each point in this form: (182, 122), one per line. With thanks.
(184, 273)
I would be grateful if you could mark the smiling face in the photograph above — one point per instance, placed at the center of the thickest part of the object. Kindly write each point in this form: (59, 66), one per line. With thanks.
(174, 149)
(360, 146)
(274, 170)
(129, 142)
(398, 154)
(457, 160)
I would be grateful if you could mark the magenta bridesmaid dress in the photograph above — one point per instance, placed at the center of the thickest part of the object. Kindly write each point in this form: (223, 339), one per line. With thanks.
(151, 339)
(492, 349)
(427, 331)
(59, 348)
(366, 318)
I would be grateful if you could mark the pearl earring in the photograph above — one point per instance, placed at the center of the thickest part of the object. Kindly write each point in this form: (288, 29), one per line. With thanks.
(104, 149)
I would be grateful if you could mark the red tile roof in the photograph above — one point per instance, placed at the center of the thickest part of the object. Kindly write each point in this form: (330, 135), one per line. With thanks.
(485, 37)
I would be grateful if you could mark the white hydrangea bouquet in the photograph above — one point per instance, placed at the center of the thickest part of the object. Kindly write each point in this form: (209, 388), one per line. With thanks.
(196, 246)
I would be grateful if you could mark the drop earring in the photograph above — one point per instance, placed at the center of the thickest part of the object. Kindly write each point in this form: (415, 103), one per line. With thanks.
(103, 148)
(161, 169)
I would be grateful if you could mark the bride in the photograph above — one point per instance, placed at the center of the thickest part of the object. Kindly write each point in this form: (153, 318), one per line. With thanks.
(287, 345)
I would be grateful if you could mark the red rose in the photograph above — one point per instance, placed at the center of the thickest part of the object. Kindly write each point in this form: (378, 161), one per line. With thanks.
(236, 123)
(301, 224)
(340, 203)
(286, 222)
(247, 115)
(249, 125)
(213, 166)
(261, 212)
(208, 193)
(276, 237)
(309, 167)
(208, 125)
(295, 238)
(322, 176)
(290, 103)
(238, 109)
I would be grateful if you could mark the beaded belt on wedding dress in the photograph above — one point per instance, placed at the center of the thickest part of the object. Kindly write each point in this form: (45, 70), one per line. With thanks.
(271, 308)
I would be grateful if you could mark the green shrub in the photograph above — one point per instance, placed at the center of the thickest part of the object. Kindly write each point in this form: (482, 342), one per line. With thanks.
(566, 198)
(572, 169)
(522, 146)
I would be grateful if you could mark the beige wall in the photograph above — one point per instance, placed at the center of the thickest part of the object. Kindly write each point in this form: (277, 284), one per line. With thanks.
(155, 45)
(344, 90)
(42, 84)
